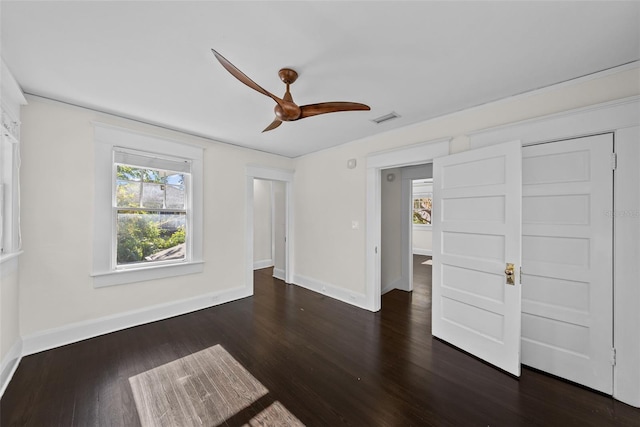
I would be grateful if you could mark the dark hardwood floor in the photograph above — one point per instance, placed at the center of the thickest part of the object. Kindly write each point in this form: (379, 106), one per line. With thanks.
(327, 362)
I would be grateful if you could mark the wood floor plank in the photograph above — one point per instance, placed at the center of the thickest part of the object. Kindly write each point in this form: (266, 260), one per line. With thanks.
(325, 362)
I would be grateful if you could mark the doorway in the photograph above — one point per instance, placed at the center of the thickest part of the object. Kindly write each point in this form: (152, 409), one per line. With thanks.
(281, 223)
(269, 221)
(376, 165)
(405, 225)
(406, 208)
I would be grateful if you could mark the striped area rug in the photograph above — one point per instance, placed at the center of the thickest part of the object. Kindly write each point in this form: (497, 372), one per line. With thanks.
(207, 388)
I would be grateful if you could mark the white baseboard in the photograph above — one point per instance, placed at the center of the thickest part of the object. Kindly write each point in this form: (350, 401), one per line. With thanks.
(9, 364)
(417, 251)
(79, 331)
(341, 294)
(263, 263)
(278, 273)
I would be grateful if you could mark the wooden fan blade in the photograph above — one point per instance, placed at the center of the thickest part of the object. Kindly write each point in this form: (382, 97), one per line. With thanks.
(243, 77)
(330, 107)
(274, 124)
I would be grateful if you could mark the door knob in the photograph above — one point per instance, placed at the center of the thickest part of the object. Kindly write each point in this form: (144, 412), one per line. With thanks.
(510, 274)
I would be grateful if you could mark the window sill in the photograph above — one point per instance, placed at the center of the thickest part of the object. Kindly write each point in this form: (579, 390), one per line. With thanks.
(6, 257)
(9, 264)
(422, 226)
(121, 277)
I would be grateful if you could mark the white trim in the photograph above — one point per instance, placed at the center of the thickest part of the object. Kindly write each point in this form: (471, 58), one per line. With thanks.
(10, 162)
(421, 226)
(107, 133)
(263, 263)
(268, 173)
(6, 257)
(9, 262)
(120, 277)
(406, 233)
(590, 120)
(10, 363)
(106, 138)
(12, 96)
(278, 273)
(332, 291)
(626, 264)
(272, 174)
(272, 205)
(405, 156)
(79, 331)
(418, 251)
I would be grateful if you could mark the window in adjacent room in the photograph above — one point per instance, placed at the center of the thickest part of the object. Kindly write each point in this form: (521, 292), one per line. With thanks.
(422, 202)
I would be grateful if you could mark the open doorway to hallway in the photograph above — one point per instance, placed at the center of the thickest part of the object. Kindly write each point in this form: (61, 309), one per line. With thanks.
(269, 226)
(406, 234)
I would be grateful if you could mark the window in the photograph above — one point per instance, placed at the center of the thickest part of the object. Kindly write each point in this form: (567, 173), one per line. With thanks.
(422, 209)
(422, 190)
(9, 192)
(148, 207)
(10, 102)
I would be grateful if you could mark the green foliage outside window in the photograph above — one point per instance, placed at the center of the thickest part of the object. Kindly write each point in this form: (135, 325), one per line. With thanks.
(145, 227)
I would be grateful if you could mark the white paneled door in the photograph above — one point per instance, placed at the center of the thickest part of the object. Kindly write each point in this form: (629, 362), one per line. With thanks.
(477, 231)
(567, 295)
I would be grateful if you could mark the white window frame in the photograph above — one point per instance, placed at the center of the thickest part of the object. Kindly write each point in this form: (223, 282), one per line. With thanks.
(9, 188)
(105, 272)
(10, 102)
(148, 159)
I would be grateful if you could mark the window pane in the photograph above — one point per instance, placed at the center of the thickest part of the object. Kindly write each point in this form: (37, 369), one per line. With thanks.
(129, 173)
(152, 195)
(175, 197)
(149, 188)
(147, 236)
(127, 194)
(422, 210)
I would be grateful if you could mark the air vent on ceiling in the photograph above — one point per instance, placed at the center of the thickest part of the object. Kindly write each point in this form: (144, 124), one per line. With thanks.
(392, 115)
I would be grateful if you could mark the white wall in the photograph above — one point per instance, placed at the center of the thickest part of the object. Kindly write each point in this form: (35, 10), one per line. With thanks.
(327, 198)
(391, 249)
(422, 241)
(10, 340)
(56, 290)
(262, 224)
(9, 309)
(324, 236)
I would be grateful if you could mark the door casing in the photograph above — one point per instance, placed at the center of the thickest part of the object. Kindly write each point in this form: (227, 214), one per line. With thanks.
(272, 174)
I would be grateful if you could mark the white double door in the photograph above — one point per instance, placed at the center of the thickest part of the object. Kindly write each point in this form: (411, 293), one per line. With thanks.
(545, 208)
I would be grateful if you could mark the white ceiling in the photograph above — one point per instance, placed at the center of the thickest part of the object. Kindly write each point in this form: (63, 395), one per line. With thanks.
(152, 60)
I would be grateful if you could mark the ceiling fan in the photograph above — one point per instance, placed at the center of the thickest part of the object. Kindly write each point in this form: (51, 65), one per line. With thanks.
(286, 110)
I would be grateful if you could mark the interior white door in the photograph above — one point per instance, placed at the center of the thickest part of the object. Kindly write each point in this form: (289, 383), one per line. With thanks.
(476, 232)
(567, 244)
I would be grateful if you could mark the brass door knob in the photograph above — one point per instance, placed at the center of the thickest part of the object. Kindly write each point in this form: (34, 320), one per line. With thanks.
(510, 274)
